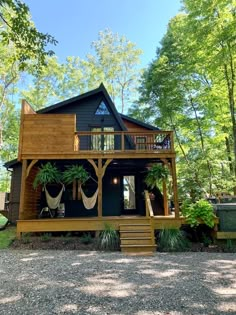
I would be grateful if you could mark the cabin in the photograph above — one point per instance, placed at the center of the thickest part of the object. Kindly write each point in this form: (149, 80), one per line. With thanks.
(116, 150)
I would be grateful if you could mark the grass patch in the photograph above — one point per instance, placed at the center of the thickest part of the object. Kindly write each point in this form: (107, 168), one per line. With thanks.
(172, 240)
(7, 236)
(3, 220)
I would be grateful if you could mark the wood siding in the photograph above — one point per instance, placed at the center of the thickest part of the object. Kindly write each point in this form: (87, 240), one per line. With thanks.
(131, 126)
(14, 200)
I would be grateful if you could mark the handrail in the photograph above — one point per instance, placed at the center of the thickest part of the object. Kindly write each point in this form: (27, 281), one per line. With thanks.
(149, 210)
(150, 141)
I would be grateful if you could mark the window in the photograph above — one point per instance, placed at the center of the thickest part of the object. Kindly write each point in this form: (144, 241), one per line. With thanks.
(102, 142)
(129, 192)
(141, 143)
(102, 109)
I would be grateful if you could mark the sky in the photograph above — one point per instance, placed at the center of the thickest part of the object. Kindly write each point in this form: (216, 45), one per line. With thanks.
(75, 23)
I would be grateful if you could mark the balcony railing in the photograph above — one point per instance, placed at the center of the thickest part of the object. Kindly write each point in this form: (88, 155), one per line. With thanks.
(125, 141)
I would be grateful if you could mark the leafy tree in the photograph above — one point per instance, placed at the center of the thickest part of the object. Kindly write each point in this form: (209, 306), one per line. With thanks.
(185, 89)
(18, 31)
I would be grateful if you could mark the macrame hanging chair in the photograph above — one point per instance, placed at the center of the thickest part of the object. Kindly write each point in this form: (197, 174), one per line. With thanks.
(89, 202)
(53, 202)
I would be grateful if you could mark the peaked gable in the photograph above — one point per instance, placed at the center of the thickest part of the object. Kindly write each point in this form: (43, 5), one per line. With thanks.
(94, 98)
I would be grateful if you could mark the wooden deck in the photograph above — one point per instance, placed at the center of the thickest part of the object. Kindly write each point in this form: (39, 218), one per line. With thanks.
(92, 224)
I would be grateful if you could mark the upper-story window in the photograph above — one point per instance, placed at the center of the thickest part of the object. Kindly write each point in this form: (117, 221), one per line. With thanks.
(102, 109)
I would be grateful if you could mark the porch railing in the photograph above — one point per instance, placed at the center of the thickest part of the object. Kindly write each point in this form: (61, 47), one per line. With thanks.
(123, 141)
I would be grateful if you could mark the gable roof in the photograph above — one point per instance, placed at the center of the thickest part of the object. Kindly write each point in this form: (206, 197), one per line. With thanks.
(138, 122)
(102, 90)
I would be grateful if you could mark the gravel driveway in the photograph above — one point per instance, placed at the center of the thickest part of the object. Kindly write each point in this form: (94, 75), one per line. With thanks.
(75, 282)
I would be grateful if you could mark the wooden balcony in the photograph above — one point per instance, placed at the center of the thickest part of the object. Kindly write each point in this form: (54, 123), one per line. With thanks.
(53, 136)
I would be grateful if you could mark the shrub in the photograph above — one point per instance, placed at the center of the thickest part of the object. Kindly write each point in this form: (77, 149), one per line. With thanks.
(109, 238)
(46, 237)
(172, 240)
(86, 239)
(202, 210)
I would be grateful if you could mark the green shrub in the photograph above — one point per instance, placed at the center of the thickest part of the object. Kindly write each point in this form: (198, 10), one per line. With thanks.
(201, 210)
(46, 237)
(172, 240)
(26, 238)
(86, 239)
(206, 240)
(109, 238)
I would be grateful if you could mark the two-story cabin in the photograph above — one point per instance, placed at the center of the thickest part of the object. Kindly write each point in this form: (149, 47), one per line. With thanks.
(116, 151)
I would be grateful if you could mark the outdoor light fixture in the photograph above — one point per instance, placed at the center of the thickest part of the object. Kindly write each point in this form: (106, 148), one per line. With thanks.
(115, 180)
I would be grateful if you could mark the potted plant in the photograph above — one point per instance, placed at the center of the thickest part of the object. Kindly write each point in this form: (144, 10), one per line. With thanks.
(48, 173)
(155, 175)
(77, 175)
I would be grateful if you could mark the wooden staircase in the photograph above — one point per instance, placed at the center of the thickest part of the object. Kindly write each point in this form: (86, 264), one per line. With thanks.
(137, 239)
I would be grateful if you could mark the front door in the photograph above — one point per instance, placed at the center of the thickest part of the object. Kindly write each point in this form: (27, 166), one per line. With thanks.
(129, 195)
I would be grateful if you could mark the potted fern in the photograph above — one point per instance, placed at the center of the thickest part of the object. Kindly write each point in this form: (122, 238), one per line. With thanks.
(77, 175)
(155, 175)
(48, 174)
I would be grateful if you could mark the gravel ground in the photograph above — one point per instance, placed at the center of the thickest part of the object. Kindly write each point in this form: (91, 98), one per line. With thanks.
(80, 282)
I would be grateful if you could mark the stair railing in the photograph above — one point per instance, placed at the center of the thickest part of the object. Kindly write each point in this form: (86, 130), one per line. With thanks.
(149, 213)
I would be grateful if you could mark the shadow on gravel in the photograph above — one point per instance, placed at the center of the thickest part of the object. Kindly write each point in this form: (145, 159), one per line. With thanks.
(72, 282)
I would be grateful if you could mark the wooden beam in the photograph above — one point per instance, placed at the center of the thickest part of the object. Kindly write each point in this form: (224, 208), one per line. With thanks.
(32, 163)
(175, 188)
(165, 199)
(94, 165)
(99, 175)
(22, 191)
(105, 166)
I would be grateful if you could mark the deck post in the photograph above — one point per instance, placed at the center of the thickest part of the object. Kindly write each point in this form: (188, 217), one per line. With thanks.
(165, 199)
(22, 190)
(175, 188)
(99, 175)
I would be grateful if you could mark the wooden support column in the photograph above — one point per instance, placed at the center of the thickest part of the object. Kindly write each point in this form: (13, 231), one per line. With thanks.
(99, 175)
(100, 171)
(165, 199)
(32, 163)
(22, 190)
(175, 188)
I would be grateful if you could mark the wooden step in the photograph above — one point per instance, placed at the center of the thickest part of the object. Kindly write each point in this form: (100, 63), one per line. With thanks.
(124, 234)
(135, 227)
(138, 248)
(136, 241)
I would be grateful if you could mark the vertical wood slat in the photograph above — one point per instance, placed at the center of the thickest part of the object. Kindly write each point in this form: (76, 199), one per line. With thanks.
(165, 199)
(175, 188)
(99, 174)
(22, 192)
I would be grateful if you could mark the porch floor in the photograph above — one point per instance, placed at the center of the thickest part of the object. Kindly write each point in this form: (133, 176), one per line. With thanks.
(93, 223)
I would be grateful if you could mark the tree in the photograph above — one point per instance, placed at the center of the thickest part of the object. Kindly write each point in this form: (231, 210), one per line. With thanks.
(187, 91)
(18, 31)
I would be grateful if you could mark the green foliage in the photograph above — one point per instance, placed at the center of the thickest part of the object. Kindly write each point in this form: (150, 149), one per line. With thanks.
(156, 173)
(46, 237)
(86, 238)
(26, 238)
(229, 245)
(109, 238)
(3, 220)
(7, 236)
(47, 174)
(172, 240)
(75, 172)
(201, 210)
(18, 30)
(206, 240)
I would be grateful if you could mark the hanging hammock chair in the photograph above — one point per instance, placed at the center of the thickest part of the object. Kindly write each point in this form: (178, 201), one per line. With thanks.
(53, 202)
(89, 202)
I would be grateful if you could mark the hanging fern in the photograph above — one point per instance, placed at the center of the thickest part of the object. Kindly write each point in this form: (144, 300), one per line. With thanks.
(47, 174)
(157, 173)
(75, 172)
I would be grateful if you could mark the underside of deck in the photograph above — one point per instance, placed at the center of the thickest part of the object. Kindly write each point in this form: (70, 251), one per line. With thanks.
(93, 223)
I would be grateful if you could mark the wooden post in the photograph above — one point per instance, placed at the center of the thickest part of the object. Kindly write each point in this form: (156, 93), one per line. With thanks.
(165, 199)
(100, 171)
(175, 188)
(22, 190)
(122, 142)
(99, 175)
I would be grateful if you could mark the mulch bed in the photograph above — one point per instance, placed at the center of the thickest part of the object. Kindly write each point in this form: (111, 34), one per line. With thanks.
(75, 243)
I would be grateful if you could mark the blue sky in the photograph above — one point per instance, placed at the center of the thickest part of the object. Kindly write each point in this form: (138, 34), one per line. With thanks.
(76, 23)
